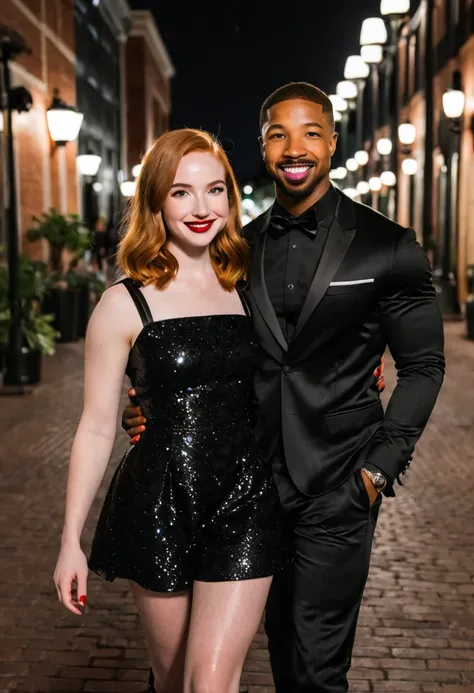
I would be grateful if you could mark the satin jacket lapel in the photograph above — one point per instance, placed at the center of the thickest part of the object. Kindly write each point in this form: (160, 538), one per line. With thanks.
(340, 236)
(258, 286)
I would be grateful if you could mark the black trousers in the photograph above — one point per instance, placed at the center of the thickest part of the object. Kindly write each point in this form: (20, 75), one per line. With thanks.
(313, 605)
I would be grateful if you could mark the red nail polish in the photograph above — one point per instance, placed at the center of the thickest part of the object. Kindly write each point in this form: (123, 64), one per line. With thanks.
(135, 440)
(82, 600)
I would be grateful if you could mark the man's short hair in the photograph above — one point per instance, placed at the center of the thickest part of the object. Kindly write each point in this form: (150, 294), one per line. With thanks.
(298, 90)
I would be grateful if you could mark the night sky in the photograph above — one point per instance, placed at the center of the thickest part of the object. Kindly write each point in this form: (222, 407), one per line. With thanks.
(230, 55)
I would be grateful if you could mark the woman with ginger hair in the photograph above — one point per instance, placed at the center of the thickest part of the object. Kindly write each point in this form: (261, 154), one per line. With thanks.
(192, 516)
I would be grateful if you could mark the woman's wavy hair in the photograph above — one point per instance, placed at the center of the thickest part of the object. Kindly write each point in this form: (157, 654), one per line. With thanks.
(143, 254)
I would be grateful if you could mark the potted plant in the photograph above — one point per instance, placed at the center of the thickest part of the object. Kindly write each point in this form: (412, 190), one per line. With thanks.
(90, 289)
(68, 240)
(470, 302)
(39, 335)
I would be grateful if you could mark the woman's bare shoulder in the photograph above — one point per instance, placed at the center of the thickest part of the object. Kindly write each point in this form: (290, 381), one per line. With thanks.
(116, 308)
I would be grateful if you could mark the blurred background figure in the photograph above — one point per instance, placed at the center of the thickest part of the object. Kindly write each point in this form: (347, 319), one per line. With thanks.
(100, 246)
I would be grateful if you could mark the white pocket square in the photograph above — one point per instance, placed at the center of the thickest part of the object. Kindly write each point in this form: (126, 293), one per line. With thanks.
(353, 283)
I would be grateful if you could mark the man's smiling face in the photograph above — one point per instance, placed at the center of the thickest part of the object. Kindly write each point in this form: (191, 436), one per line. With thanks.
(297, 144)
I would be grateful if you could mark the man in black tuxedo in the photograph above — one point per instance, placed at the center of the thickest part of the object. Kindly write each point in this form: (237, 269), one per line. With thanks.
(332, 283)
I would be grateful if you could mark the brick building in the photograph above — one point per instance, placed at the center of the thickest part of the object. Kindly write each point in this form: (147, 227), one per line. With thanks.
(434, 49)
(109, 62)
(450, 38)
(45, 176)
(147, 86)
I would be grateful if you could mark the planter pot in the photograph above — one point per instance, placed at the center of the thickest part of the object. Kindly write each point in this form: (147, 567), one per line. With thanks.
(30, 368)
(65, 306)
(84, 304)
(470, 319)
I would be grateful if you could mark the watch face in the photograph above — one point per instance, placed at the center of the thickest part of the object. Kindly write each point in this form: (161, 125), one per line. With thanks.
(379, 480)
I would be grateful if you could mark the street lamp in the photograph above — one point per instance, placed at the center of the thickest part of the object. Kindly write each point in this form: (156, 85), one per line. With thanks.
(453, 103)
(347, 90)
(64, 121)
(338, 103)
(12, 45)
(453, 107)
(384, 146)
(388, 178)
(351, 192)
(373, 32)
(363, 187)
(406, 135)
(128, 187)
(342, 172)
(375, 184)
(409, 166)
(394, 8)
(88, 164)
(373, 35)
(136, 170)
(361, 157)
(372, 55)
(394, 11)
(338, 173)
(352, 165)
(356, 70)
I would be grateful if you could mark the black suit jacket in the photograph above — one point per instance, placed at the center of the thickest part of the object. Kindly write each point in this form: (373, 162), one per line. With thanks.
(373, 287)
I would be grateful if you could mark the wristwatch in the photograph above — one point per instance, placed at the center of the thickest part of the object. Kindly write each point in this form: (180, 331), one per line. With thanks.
(377, 478)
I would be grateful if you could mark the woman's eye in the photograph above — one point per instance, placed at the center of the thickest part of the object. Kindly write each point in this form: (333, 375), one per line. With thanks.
(179, 193)
(216, 190)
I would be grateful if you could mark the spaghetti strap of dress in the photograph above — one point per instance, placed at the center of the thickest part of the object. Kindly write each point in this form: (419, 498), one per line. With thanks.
(138, 299)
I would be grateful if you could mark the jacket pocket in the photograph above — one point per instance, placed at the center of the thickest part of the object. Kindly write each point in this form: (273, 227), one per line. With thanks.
(344, 289)
(352, 420)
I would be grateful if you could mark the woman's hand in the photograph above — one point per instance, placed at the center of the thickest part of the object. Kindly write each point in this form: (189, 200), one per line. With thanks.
(71, 569)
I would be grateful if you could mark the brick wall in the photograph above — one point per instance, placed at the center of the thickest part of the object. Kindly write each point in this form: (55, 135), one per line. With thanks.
(135, 98)
(46, 176)
(147, 90)
(466, 187)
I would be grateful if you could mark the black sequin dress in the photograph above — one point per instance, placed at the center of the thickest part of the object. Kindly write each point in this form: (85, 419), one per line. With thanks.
(193, 500)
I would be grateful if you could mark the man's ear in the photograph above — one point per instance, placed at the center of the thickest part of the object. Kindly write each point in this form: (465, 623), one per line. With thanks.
(333, 143)
(262, 146)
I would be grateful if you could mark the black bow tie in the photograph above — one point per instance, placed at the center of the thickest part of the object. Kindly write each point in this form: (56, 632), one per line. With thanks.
(305, 222)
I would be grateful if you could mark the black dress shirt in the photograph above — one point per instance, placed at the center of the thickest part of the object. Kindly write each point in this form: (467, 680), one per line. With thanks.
(293, 249)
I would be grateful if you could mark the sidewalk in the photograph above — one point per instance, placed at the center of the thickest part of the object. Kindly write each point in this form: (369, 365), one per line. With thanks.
(416, 629)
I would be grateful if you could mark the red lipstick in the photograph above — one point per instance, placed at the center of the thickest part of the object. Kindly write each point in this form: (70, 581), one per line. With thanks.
(200, 226)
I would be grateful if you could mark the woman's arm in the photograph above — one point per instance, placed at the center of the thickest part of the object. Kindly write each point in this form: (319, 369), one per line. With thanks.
(107, 348)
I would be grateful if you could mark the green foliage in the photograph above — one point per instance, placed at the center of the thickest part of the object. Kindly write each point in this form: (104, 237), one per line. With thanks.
(37, 328)
(62, 232)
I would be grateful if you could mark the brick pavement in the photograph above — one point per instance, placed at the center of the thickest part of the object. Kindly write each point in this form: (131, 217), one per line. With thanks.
(416, 630)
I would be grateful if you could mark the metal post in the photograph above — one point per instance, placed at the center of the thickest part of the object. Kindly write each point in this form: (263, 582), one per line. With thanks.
(374, 75)
(447, 284)
(11, 46)
(13, 356)
(427, 221)
(395, 120)
(359, 115)
(344, 136)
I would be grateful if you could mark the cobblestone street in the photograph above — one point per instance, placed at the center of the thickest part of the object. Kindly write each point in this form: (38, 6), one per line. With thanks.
(416, 630)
